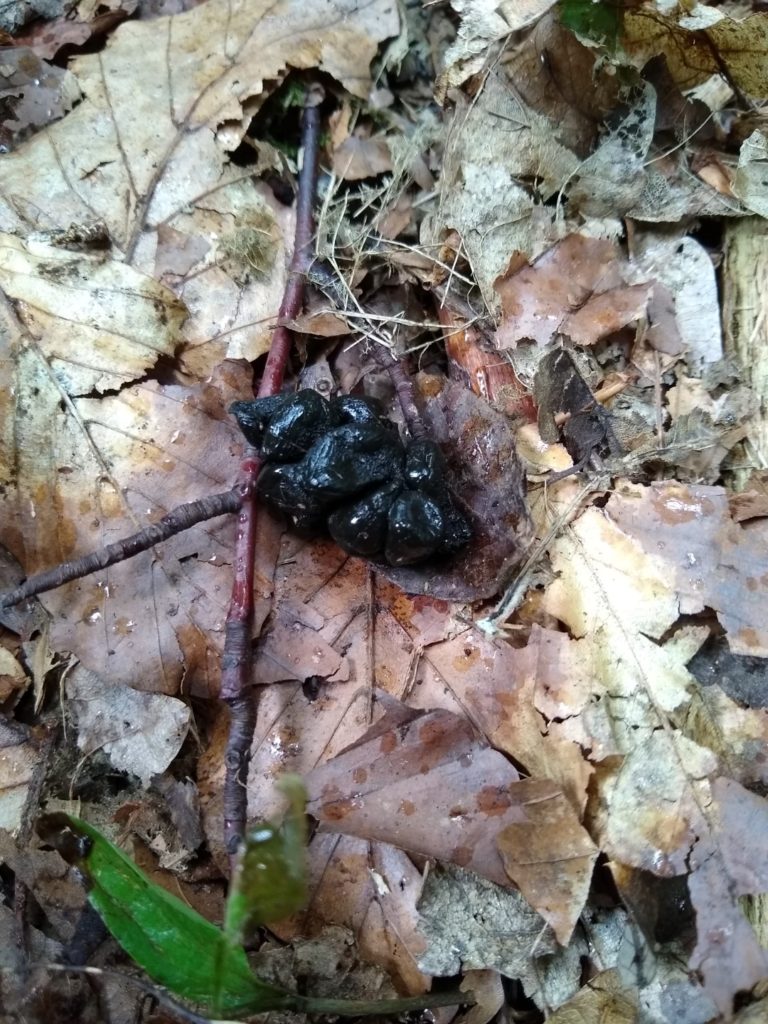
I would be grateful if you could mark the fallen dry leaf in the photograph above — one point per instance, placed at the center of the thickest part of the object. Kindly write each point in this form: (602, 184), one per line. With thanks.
(578, 288)
(605, 998)
(466, 798)
(140, 733)
(511, 188)
(710, 560)
(100, 324)
(12, 676)
(371, 889)
(359, 157)
(33, 93)
(89, 471)
(685, 268)
(625, 696)
(550, 856)
(18, 761)
(482, 22)
(731, 44)
(157, 157)
(749, 181)
(502, 689)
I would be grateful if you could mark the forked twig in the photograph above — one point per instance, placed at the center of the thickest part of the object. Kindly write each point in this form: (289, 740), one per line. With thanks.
(236, 680)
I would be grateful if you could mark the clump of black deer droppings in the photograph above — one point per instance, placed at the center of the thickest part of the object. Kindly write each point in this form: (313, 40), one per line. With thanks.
(341, 465)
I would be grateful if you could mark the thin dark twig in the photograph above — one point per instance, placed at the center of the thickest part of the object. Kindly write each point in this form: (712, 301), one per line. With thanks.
(404, 389)
(176, 521)
(327, 280)
(236, 679)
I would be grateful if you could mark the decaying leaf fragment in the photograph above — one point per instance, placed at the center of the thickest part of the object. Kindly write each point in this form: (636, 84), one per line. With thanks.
(470, 923)
(141, 733)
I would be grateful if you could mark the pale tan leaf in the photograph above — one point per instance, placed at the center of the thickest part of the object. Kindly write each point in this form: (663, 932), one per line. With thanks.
(18, 760)
(604, 998)
(482, 22)
(12, 675)
(750, 180)
(157, 156)
(357, 158)
(101, 324)
(652, 804)
(140, 733)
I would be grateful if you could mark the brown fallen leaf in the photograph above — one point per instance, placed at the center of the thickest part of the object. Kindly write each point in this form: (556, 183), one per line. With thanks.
(727, 951)
(372, 889)
(577, 288)
(711, 561)
(504, 692)
(101, 324)
(33, 93)
(359, 157)
(370, 790)
(550, 856)
(427, 784)
(83, 472)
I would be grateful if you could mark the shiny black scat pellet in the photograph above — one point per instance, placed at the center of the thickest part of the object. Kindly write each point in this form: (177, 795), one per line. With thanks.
(340, 466)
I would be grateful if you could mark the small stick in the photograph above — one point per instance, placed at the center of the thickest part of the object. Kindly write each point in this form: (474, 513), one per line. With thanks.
(236, 689)
(328, 281)
(404, 389)
(176, 521)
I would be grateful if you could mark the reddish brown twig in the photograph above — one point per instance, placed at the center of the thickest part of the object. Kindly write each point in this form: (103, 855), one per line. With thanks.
(404, 389)
(176, 521)
(236, 682)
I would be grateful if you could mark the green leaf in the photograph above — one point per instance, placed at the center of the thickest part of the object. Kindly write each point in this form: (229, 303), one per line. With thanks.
(600, 20)
(180, 949)
(174, 944)
(270, 880)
